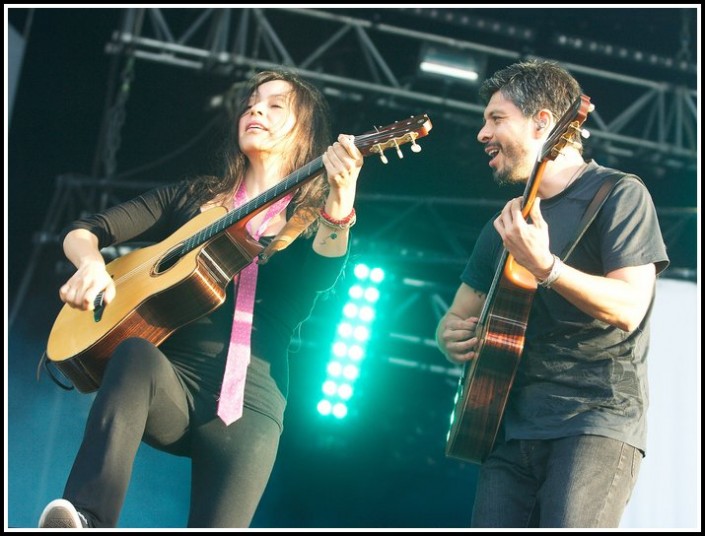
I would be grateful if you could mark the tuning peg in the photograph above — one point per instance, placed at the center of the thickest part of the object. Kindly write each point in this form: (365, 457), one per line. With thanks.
(399, 153)
(379, 149)
(415, 147)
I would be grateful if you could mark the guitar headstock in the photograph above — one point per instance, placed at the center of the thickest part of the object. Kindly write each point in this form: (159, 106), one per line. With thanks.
(567, 128)
(394, 135)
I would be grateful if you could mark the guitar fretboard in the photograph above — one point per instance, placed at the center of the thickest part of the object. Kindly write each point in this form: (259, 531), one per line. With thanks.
(289, 183)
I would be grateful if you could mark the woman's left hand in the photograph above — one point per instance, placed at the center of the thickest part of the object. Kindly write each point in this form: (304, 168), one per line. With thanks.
(343, 162)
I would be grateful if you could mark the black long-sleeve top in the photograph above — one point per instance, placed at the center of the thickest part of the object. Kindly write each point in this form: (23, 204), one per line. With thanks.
(287, 288)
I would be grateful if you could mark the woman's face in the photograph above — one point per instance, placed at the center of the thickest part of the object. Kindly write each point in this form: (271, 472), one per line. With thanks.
(268, 119)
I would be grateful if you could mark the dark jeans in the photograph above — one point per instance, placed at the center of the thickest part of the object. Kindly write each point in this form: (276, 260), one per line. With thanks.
(142, 398)
(577, 482)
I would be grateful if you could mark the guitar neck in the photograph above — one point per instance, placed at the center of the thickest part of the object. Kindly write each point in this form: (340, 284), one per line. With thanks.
(373, 142)
(290, 183)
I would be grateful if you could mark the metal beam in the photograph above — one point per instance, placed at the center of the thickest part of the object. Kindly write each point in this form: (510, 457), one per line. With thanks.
(399, 246)
(399, 240)
(667, 133)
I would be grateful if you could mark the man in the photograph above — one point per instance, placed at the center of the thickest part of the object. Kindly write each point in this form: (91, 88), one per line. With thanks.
(573, 431)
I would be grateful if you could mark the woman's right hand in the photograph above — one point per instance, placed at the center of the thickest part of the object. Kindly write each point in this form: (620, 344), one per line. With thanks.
(90, 279)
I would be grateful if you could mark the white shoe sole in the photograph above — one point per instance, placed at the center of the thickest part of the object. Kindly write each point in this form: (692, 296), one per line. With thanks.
(60, 514)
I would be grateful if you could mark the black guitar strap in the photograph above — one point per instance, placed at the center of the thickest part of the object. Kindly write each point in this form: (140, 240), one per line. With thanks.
(593, 208)
(45, 361)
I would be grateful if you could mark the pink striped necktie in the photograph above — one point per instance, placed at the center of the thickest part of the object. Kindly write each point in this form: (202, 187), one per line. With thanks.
(233, 390)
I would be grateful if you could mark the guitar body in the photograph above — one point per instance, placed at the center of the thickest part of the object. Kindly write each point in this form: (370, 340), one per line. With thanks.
(165, 286)
(152, 300)
(484, 387)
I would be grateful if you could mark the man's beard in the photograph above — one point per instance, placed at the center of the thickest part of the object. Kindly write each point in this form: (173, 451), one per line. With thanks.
(515, 173)
(502, 178)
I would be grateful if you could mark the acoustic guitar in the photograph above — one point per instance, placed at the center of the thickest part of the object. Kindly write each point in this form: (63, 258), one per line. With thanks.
(169, 284)
(485, 383)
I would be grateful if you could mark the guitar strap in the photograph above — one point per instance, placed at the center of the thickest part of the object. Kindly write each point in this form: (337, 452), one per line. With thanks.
(593, 208)
(44, 361)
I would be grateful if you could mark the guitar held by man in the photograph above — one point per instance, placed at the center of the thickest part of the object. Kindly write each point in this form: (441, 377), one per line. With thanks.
(550, 321)
(484, 386)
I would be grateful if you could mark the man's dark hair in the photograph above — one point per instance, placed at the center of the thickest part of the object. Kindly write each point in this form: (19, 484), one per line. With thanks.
(533, 86)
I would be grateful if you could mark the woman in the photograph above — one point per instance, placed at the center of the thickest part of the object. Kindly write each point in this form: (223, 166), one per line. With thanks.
(169, 397)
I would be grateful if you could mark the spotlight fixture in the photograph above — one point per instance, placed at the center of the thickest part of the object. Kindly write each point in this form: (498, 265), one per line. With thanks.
(465, 66)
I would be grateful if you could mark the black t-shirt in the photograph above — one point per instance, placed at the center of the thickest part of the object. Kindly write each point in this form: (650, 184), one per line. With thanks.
(578, 375)
(287, 288)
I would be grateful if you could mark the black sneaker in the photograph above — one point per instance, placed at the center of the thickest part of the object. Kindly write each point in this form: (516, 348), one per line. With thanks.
(61, 514)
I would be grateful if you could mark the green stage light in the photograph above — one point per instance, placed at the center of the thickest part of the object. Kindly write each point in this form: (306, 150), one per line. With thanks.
(325, 407)
(340, 410)
(355, 352)
(362, 271)
(376, 275)
(345, 391)
(351, 372)
(330, 387)
(351, 310)
(361, 333)
(345, 329)
(366, 313)
(340, 349)
(371, 294)
(335, 369)
(356, 292)
(348, 349)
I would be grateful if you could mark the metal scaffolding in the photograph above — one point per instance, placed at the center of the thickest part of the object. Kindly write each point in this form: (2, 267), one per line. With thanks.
(659, 119)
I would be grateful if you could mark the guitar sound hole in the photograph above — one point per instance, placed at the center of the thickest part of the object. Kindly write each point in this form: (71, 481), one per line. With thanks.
(168, 261)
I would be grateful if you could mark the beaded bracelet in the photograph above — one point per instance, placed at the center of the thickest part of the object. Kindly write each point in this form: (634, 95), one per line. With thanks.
(554, 274)
(347, 222)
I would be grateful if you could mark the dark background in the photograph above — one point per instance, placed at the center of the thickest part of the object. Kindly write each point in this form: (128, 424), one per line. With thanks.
(384, 465)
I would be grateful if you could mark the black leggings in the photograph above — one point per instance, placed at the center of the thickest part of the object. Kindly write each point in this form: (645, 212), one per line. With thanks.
(143, 398)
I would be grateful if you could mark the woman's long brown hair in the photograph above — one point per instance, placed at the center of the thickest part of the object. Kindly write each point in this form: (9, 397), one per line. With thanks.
(308, 140)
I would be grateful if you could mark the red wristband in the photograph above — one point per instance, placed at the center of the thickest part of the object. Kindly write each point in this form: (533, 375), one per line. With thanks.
(346, 220)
